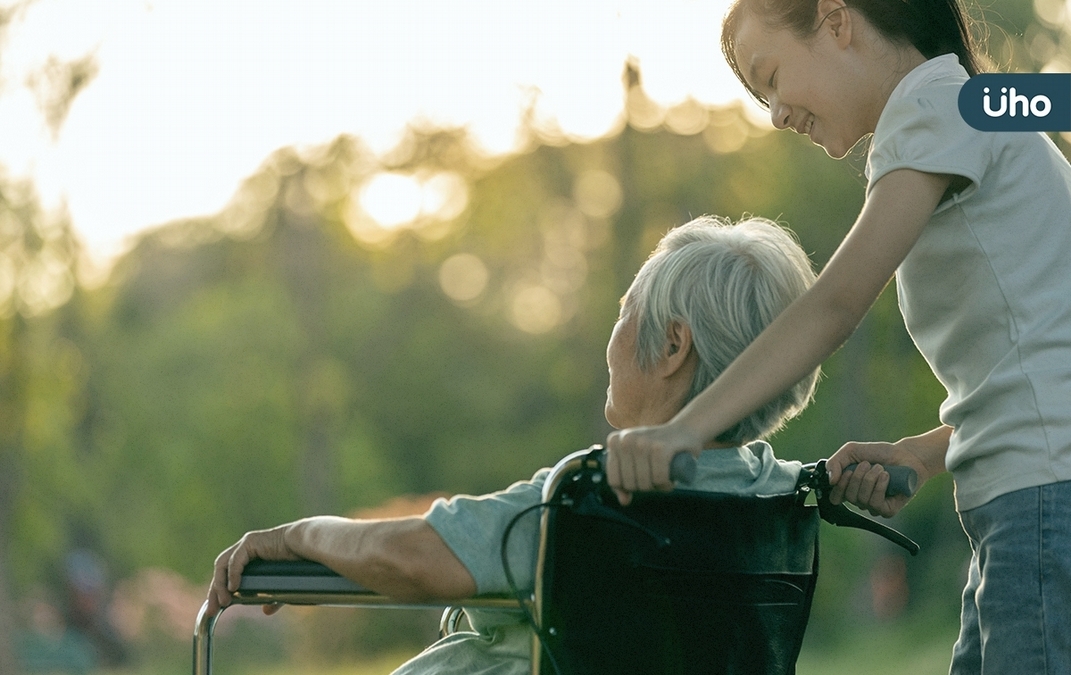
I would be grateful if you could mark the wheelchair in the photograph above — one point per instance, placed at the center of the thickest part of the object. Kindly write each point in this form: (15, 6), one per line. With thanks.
(679, 582)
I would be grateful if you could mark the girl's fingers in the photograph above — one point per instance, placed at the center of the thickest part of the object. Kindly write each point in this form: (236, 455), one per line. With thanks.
(867, 483)
(836, 492)
(855, 481)
(629, 480)
(621, 465)
(615, 475)
(864, 486)
(659, 471)
(878, 501)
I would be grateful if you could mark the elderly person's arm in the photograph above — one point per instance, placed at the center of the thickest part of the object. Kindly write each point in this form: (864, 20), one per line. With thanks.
(403, 558)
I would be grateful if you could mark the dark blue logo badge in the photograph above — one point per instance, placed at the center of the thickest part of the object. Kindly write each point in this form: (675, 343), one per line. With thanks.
(1017, 102)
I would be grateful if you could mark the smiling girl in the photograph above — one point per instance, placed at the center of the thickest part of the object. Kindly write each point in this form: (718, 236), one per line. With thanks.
(976, 227)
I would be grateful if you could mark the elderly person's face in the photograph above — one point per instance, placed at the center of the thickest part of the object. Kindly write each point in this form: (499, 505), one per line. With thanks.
(641, 397)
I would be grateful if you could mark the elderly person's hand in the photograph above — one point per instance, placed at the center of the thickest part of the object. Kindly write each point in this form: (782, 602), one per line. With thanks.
(865, 486)
(227, 573)
(404, 558)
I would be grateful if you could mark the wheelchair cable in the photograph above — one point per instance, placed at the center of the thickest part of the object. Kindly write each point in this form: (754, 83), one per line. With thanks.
(516, 591)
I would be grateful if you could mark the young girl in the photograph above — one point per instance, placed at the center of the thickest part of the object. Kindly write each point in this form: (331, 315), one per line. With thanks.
(976, 226)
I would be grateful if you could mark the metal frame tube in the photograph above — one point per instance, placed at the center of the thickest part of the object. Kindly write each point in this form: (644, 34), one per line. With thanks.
(205, 626)
(567, 466)
(202, 637)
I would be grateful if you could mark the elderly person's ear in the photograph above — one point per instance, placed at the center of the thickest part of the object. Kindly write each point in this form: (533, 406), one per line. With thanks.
(678, 349)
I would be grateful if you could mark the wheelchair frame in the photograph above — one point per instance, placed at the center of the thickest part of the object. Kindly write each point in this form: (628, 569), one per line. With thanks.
(336, 591)
(292, 587)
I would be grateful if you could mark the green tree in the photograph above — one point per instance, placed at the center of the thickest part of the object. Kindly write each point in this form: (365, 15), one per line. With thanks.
(38, 254)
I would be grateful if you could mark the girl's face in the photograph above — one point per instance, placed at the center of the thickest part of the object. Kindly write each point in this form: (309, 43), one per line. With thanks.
(815, 85)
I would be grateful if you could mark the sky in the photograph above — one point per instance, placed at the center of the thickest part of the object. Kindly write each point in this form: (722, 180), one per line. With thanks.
(191, 96)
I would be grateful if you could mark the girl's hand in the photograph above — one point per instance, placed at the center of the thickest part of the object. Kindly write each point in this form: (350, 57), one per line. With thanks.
(638, 459)
(227, 572)
(865, 486)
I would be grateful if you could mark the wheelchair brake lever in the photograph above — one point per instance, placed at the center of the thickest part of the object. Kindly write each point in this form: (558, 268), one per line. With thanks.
(815, 478)
(841, 516)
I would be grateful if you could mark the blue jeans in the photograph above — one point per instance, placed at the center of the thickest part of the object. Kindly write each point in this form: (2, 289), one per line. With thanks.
(1017, 604)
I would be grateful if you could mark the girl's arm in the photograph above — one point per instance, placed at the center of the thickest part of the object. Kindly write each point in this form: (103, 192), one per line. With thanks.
(796, 342)
(403, 558)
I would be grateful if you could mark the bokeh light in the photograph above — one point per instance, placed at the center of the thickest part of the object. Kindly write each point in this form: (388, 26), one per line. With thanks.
(463, 277)
(536, 309)
(597, 193)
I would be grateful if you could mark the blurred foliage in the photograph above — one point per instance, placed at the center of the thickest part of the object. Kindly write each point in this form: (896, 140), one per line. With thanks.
(291, 355)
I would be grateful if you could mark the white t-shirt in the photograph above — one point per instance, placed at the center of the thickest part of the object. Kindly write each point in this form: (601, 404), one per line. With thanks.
(986, 290)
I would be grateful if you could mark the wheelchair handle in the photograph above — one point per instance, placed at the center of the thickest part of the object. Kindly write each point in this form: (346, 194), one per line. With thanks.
(682, 469)
(902, 480)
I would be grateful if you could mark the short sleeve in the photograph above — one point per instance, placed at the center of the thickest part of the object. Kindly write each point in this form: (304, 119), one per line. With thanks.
(473, 528)
(925, 132)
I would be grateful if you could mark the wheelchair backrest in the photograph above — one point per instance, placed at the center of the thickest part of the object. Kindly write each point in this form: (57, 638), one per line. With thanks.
(682, 582)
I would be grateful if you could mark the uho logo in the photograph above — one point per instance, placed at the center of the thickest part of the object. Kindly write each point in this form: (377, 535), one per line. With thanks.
(1017, 102)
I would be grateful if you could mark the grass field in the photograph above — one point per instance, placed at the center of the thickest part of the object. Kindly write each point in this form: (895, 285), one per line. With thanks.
(882, 657)
(891, 651)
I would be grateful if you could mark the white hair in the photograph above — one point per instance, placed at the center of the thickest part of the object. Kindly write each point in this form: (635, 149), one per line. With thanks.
(726, 282)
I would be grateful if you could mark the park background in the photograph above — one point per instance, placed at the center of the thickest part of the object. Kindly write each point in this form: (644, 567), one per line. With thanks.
(361, 329)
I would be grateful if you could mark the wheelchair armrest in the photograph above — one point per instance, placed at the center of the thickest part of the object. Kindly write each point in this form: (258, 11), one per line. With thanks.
(303, 582)
(294, 576)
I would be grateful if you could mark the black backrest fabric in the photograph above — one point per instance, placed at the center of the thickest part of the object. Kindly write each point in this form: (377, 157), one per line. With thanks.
(730, 593)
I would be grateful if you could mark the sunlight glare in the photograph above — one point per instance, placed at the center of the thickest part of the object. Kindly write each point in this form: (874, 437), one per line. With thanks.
(395, 199)
(392, 199)
(444, 195)
(193, 95)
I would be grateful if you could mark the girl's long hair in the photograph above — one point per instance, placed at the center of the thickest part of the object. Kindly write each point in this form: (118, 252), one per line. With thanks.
(934, 27)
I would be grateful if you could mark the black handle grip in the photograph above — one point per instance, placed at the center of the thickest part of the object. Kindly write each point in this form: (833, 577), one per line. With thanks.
(902, 480)
(682, 468)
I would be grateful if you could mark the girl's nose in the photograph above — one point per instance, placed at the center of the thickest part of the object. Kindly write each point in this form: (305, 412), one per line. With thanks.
(780, 114)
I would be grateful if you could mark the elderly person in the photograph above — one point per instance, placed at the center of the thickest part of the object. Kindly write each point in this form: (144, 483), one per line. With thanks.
(708, 289)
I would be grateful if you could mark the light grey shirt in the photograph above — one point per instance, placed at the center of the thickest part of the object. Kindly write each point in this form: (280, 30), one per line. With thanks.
(472, 528)
(986, 291)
